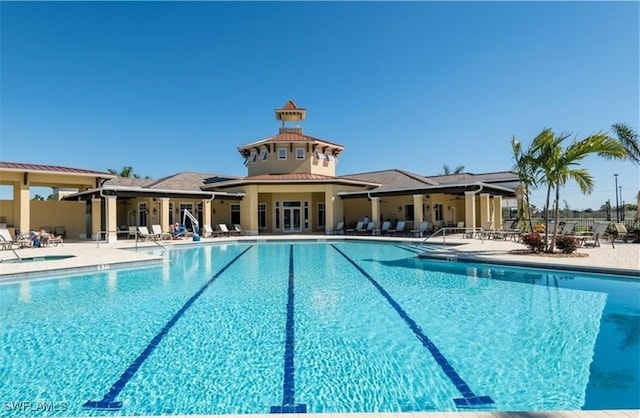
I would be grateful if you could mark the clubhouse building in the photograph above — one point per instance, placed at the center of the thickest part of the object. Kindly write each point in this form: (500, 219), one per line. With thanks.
(290, 187)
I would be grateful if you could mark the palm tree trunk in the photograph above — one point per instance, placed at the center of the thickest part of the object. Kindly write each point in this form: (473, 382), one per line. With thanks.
(557, 221)
(546, 216)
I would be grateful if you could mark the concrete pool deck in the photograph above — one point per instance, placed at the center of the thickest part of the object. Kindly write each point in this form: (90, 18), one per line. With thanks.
(89, 255)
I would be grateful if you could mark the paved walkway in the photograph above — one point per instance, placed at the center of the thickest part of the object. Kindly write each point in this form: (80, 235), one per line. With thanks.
(623, 259)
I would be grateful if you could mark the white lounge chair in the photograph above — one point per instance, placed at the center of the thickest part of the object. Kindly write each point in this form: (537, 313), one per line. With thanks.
(338, 230)
(207, 231)
(399, 230)
(385, 227)
(157, 230)
(146, 235)
(359, 227)
(422, 228)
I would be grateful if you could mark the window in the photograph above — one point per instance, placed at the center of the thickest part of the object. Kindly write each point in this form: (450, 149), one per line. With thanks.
(331, 157)
(263, 155)
(277, 215)
(319, 155)
(235, 213)
(299, 153)
(253, 158)
(282, 153)
(142, 214)
(321, 215)
(408, 213)
(262, 216)
(306, 215)
(171, 217)
(439, 212)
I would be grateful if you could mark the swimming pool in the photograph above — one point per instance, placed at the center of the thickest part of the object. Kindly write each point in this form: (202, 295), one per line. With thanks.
(317, 327)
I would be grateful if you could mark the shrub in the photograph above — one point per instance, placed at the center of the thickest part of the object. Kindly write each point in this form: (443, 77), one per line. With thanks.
(567, 244)
(534, 242)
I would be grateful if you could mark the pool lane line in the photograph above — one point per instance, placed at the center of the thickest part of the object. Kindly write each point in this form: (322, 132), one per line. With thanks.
(108, 401)
(469, 399)
(289, 405)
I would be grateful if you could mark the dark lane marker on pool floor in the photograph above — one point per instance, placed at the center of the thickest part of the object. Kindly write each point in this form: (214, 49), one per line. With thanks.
(288, 386)
(469, 399)
(108, 402)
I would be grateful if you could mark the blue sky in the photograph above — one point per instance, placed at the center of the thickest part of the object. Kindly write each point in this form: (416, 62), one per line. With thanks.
(169, 86)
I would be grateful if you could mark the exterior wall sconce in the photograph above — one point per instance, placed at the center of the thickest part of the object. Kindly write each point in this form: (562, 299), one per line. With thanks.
(400, 208)
(213, 211)
(155, 211)
(427, 207)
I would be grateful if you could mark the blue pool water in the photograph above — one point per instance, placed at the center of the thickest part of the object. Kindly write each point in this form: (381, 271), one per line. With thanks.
(317, 327)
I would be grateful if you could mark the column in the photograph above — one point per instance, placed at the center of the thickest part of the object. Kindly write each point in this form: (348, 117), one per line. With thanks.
(111, 219)
(375, 211)
(485, 215)
(96, 215)
(249, 210)
(329, 219)
(497, 212)
(23, 221)
(418, 216)
(206, 213)
(164, 214)
(470, 212)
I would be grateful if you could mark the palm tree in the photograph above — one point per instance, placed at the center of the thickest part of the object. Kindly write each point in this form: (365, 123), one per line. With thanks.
(126, 171)
(525, 169)
(560, 165)
(629, 140)
(447, 170)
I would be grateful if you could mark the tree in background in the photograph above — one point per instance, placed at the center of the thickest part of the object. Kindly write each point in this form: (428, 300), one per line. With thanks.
(126, 171)
(629, 140)
(446, 170)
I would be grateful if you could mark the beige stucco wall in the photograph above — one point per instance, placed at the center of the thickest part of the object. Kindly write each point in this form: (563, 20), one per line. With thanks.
(6, 211)
(291, 165)
(51, 213)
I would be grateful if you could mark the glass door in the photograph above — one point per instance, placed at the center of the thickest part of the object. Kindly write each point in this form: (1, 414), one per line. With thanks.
(291, 217)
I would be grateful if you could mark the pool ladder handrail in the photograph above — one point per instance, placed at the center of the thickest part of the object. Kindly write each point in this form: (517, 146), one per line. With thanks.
(154, 241)
(137, 235)
(11, 248)
(444, 230)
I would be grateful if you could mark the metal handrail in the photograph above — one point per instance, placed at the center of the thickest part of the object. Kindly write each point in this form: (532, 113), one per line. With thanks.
(154, 241)
(444, 229)
(11, 248)
(137, 235)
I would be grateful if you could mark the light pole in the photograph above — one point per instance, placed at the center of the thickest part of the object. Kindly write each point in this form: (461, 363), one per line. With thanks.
(617, 204)
(622, 207)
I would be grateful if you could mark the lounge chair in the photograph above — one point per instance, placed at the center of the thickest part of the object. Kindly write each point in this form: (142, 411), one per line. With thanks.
(399, 230)
(422, 228)
(60, 231)
(487, 231)
(157, 230)
(368, 230)
(593, 238)
(55, 240)
(359, 227)
(223, 229)
(505, 231)
(620, 232)
(133, 232)
(145, 235)
(6, 240)
(338, 230)
(207, 231)
(385, 228)
(237, 229)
